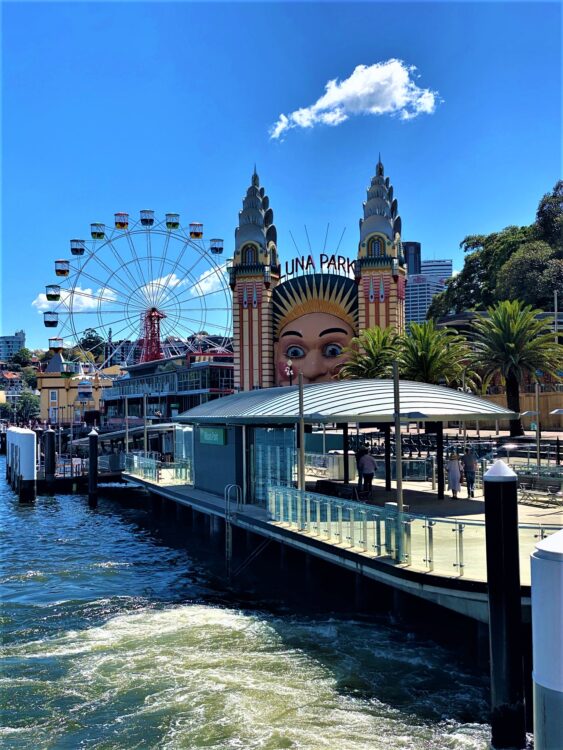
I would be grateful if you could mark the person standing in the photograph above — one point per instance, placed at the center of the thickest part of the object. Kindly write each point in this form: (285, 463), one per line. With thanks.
(367, 467)
(454, 474)
(469, 461)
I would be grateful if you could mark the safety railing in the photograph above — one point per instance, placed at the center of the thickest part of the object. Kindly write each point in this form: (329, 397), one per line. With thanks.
(159, 472)
(444, 546)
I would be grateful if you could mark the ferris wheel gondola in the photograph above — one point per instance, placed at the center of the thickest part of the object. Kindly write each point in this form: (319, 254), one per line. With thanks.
(147, 289)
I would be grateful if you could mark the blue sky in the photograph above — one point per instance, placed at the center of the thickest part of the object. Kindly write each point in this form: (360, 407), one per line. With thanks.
(123, 106)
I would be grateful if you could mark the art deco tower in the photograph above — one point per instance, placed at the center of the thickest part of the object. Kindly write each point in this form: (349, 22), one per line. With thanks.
(253, 274)
(380, 267)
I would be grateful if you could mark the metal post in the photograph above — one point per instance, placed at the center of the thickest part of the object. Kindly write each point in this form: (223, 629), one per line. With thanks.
(301, 476)
(508, 726)
(440, 459)
(93, 466)
(538, 435)
(398, 444)
(50, 458)
(387, 448)
(346, 453)
(126, 425)
(324, 438)
(145, 433)
(556, 313)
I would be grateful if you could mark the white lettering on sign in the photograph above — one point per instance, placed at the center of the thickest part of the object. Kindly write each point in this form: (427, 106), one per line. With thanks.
(306, 264)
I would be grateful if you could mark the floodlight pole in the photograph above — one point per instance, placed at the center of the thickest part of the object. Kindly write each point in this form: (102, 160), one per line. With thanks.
(398, 443)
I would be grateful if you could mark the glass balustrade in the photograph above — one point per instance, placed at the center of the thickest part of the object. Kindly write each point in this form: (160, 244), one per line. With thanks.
(443, 546)
(150, 469)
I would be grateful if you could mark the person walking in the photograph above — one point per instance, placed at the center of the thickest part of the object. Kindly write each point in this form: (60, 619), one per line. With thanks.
(454, 474)
(469, 462)
(367, 467)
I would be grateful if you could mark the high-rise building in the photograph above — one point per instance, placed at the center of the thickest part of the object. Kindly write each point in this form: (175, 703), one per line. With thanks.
(411, 251)
(423, 287)
(443, 269)
(9, 345)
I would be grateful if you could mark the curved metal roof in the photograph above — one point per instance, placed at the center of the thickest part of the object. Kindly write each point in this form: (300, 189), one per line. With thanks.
(346, 401)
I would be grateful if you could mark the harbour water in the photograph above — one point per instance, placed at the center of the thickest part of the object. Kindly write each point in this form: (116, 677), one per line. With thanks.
(119, 633)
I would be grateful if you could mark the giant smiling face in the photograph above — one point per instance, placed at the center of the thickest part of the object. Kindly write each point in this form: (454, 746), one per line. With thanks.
(314, 343)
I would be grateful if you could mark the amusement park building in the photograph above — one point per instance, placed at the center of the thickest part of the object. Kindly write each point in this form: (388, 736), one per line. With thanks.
(71, 391)
(170, 386)
(285, 324)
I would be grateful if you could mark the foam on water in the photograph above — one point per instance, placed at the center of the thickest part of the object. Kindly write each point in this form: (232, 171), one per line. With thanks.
(112, 641)
(198, 676)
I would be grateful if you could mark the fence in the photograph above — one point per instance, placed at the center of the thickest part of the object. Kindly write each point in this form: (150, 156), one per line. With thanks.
(159, 472)
(445, 546)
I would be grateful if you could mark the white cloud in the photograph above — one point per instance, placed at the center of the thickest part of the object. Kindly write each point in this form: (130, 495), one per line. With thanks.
(154, 287)
(385, 88)
(82, 300)
(210, 281)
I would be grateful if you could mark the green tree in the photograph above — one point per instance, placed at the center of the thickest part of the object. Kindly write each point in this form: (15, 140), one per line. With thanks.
(29, 375)
(513, 342)
(92, 342)
(22, 357)
(435, 355)
(6, 411)
(549, 218)
(28, 406)
(521, 275)
(371, 354)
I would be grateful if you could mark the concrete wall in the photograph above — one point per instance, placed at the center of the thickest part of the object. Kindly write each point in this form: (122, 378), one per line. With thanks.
(218, 465)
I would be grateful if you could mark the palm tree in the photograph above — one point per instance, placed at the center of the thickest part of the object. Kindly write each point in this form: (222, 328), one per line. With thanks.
(513, 342)
(371, 354)
(435, 355)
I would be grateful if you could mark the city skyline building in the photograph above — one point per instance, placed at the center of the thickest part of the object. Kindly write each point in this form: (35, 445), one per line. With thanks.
(10, 345)
(422, 287)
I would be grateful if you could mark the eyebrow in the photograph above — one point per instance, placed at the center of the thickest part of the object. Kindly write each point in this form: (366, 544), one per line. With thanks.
(333, 330)
(293, 333)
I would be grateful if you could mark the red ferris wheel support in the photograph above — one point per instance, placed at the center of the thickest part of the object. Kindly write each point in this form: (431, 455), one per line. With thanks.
(151, 335)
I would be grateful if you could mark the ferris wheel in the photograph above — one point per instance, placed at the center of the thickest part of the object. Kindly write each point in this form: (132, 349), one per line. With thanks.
(146, 289)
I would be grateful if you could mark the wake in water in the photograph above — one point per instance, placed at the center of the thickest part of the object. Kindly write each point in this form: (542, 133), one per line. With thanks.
(195, 676)
(113, 640)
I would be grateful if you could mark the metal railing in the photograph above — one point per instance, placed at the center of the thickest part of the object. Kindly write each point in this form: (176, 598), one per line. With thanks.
(151, 469)
(448, 547)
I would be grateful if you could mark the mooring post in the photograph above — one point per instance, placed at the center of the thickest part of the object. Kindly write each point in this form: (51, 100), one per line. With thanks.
(547, 646)
(508, 721)
(50, 458)
(93, 467)
(28, 466)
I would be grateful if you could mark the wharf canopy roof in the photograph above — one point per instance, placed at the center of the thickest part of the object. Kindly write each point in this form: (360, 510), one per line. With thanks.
(345, 401)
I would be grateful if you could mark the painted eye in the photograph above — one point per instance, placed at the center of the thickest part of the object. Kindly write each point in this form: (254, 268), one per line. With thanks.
(332, 350)
(295, 352)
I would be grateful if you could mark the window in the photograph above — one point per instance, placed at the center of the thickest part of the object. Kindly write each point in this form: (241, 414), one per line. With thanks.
(249, 255)
(53, 396)
(374, 248)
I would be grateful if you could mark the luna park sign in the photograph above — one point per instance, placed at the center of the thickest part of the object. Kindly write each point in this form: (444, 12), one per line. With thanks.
(326, 264)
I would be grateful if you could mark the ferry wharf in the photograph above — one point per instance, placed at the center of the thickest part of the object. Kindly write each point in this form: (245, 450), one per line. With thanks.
(237, 464)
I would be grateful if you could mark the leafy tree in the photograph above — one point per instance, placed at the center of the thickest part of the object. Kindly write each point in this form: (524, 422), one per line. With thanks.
(521, 275)
(28, 406)
(435, 355)
(6, 411)
(22, 357)
(92, 342)
(549, 217)
(29, 375)
(513, 343)
(371, 354)
(551, 281)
